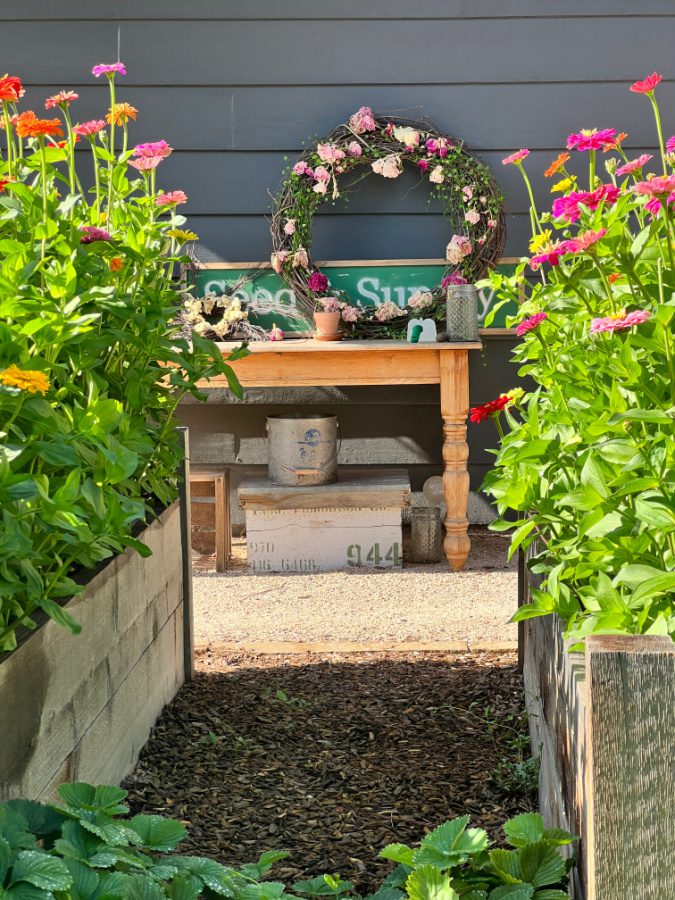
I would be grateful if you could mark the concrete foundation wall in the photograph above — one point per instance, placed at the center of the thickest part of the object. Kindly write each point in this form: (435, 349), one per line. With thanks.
(80, 707)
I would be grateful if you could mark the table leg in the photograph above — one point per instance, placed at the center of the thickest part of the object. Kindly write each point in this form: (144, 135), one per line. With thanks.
(454, 408)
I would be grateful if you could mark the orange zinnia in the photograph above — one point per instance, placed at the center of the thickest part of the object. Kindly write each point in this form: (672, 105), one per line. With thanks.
(616, 143)
(11, 88)
(557, 164)
(28, 125)
(122, 113)
(115, 264)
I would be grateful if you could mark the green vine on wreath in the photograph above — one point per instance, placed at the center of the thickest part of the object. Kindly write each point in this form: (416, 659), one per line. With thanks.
(470, 197)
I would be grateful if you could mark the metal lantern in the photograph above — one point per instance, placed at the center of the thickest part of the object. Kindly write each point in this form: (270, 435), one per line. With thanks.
(462, 312)
(426, 538)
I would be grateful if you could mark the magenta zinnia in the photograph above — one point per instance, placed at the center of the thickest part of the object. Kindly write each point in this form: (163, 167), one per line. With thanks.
(108, 69)
(591, 139)
(619, 322)
(647, 85)
(155, 148)
(91, 233)
(528, 324)
(568, 207)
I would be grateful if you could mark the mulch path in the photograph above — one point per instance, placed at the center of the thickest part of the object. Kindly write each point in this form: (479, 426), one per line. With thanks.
(332, 756)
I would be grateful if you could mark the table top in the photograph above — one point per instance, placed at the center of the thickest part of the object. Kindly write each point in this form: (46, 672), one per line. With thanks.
(309, 345)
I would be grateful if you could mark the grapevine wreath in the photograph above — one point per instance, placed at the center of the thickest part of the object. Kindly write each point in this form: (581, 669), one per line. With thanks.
(470, 197)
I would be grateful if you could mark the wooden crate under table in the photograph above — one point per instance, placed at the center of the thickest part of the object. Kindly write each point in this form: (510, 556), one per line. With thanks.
(210, 513)
(353, 523)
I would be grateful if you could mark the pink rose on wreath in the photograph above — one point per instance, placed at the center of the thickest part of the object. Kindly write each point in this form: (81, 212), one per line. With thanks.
(452, 278)
(472, 216)
(317, 282)
(387, 166)
(289, 226)
(468, 193)
(387, 311)
(437, 176)
(277, 260)
(491, 223)
(420, 300)
(321, 173)
(321, 187)
(329, 153)
(362, 120)
(300, 258)
(349, 313)
(354, 149)
(457, 249)
(301, 168)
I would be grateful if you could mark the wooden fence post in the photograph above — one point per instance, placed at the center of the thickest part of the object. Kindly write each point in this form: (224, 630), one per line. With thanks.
(630, 734)
(186, 535)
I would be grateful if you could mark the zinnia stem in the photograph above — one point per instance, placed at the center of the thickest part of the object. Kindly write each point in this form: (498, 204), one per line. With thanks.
(591, 170)
(659, 131)
(97, 183)
(10, 140)
(43, 184)
(533, 206)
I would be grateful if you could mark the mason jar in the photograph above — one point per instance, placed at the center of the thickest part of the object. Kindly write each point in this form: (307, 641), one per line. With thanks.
(462, 312)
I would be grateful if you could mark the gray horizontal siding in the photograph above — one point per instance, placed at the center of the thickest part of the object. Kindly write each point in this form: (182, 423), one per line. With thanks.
(327, 52)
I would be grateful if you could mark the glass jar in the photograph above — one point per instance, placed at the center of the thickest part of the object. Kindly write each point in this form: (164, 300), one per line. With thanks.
(462, 312)
(426, 544)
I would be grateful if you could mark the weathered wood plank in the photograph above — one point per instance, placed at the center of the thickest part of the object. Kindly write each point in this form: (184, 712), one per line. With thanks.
(368, 488)
(631, 785)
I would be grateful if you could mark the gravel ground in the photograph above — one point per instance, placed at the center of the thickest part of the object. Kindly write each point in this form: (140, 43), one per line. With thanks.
(419, 603)
(333, 756)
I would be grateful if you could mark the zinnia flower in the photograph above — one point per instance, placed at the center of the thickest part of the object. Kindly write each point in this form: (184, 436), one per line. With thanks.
(317, 282)
(633, 165)
(354, 149)
(620, 321)
(563, 185)
(591, 139)
(145, 163)
(29, 380)
(515, 158)
(584, 240)
(557, 164)
(116, 264)
(171, 198)
(647, 85)
(88, 129)
(568, 207)
(3, 182)
(63, 99)
(362, 120)
(91, 233)
(616, 143)
(670, 144)
(121, 113)
(182, 235)
(28, 125)
(550, 254)
(528, 324)
(489, 409)
(153, 149)
(11, 88)
(659, 186)
(108, 69)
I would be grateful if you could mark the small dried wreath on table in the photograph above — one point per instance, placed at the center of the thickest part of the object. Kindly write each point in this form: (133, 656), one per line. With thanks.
(470, 197)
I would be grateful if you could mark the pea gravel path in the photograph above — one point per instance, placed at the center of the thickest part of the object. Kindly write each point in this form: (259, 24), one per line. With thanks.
(425, 603)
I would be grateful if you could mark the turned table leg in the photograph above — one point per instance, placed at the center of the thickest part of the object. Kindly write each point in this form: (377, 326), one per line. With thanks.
(454, 408)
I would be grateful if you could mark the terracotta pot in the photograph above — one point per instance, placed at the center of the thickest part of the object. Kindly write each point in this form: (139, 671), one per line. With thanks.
(327, 325)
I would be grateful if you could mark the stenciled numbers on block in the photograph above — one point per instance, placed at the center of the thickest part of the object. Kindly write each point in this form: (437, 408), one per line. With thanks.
(359, 556)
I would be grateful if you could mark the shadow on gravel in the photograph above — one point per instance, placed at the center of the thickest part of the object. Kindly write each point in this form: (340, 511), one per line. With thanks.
(333, 758)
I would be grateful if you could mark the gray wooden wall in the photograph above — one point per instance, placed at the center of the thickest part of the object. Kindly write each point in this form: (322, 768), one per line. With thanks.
(236, 87)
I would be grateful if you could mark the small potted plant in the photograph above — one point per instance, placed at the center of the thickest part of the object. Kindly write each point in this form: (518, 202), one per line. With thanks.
(327, 317)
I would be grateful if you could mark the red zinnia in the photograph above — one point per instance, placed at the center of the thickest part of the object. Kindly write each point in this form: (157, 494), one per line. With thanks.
(11, 88)
(3, 182)
(487, 410)
(647, 85)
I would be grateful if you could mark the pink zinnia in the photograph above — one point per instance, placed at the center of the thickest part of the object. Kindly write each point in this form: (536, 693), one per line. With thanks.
(550, 255)
(659, 186)
(584, 240)
(171, 198)
(618, 323)
(89, 129)
(155, 148)
(528, 324)
(515, 158)
(634, 165)
(91, 233)
(108, 69)
(647, 85)
(63, 97)
(145, 163)
(568, 207)
(591, 139)
(317, 282)
(670, 144)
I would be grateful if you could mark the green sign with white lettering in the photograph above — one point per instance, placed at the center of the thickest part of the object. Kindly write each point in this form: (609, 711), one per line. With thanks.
(270, 300)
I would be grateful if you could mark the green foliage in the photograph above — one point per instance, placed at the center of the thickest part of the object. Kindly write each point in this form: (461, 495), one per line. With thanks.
(588, 460)
(85, 848)
(92, 366)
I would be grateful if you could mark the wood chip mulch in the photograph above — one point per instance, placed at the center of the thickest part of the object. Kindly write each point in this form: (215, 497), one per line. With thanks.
(332, 757)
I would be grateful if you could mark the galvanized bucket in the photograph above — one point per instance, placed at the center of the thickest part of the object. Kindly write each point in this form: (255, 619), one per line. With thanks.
(302, 449)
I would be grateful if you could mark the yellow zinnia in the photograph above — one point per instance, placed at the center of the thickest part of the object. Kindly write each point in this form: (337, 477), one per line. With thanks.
(122, 113)
(180, 234)
(540, 240)
(25, 379)
(515, 395)
(562, 186)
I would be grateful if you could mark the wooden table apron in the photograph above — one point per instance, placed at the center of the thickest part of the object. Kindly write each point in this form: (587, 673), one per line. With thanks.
(299, 363)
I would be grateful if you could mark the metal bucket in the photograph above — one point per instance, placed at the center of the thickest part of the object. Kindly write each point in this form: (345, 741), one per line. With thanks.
(302, 449)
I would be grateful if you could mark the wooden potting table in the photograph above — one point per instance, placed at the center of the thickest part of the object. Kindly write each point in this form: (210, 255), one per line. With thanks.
(300, 362)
